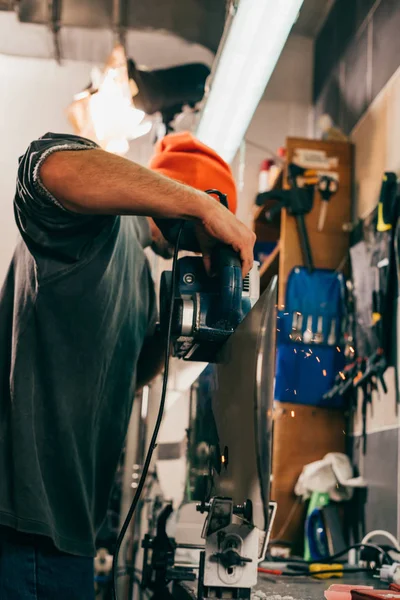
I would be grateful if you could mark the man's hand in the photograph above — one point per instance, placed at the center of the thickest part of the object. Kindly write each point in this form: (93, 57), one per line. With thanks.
(219, 225)
(159, 245)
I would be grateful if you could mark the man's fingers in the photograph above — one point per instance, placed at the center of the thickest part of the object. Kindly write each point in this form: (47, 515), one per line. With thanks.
(207, 263)
(247, 255)
(246, 265)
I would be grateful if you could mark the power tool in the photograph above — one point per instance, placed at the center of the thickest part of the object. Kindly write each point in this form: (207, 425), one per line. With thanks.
(206, 309)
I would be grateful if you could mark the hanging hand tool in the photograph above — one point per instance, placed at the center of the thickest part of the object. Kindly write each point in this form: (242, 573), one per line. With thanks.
(318, 336)
(297, 209)
(298, 201)
(296, 334)
(332, 333)
(327, 187)
(375, 368)
(308, 334)
(386, 202)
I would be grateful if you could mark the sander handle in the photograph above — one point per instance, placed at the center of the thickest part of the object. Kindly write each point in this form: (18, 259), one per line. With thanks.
(228, 268)
(226, 265)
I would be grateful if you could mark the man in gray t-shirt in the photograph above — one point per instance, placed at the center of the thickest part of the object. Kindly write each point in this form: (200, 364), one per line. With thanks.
(77, 337)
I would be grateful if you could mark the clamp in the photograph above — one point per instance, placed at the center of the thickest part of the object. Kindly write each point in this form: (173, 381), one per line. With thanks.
(159, 570)
(298, 201)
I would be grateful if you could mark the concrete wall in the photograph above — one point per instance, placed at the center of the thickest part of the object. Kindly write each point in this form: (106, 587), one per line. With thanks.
(376, 149)
(357, 81)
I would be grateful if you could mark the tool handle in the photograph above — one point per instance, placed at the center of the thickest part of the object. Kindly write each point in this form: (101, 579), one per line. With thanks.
(385, 206)
(305, 243)
(228, 268)
(188, 240)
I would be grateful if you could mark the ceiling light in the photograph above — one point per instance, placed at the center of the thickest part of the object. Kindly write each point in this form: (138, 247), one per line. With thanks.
(255, 41)
(106, 112)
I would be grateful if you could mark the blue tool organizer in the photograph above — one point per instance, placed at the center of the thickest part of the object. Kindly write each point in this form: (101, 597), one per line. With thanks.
(309, 337)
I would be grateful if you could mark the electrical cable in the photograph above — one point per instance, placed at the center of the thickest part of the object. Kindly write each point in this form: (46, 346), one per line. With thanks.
(153, 442)
(288, 519)
(353, 547)
(382, 533)
(332, 557)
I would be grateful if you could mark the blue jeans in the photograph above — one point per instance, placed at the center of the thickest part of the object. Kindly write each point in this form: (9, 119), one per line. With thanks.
(31, 568)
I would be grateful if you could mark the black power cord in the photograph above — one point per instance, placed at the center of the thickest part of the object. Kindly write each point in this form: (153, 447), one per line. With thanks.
(354, 547)
(316, 574)
(328, 559)
(153, 442)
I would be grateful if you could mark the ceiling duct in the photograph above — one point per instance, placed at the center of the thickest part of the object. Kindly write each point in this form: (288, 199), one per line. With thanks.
(196, 21)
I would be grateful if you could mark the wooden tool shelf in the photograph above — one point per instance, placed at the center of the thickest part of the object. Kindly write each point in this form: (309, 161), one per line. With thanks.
(329, 247)
(303, 434)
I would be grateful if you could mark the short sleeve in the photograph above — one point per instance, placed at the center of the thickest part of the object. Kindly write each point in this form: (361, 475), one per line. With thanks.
(54, 235)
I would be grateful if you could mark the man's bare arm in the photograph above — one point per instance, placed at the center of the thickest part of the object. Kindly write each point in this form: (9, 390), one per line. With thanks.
(97, 182)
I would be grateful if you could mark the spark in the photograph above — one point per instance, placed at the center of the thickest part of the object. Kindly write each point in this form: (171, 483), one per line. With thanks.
(351, 349)
(310, 351)
(294, 350)
(292, 413)
(295, 392)
(342, 375)
(308, 354)
(285, 314)
(338, 349)
(318, 359)
(277, 329)
(324, 372)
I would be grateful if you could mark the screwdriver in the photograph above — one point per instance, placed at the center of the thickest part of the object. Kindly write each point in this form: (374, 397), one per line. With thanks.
(327, 186)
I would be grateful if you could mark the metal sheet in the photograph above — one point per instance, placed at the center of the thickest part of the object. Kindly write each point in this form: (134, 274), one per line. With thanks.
(6, 5)
(198, 22)
(242, 407)
(33, 11)
(88, 13)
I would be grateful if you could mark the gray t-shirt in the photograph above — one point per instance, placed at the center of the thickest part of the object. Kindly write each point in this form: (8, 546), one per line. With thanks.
(75, 309)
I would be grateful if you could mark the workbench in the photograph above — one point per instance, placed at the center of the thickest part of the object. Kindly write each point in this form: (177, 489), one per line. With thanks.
(288, 588)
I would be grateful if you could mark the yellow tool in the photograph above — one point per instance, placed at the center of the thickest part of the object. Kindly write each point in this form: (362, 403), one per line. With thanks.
(386, 201)
(324, 571)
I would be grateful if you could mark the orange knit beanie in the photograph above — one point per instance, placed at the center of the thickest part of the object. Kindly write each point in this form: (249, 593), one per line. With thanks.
(182, 157)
